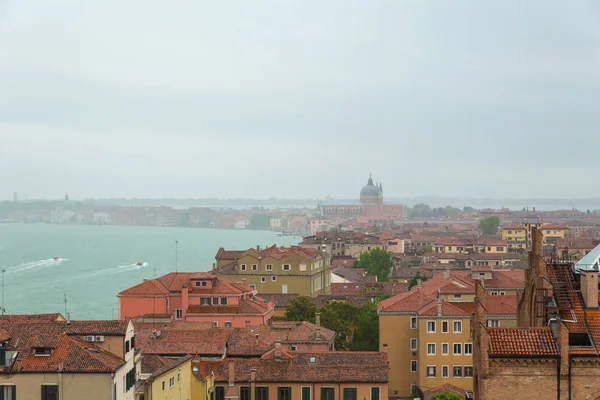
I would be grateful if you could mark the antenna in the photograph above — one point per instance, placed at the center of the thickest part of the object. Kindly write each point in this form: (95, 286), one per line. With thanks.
(66, 313)
(154, 297)
(176, 255)
(3, 271)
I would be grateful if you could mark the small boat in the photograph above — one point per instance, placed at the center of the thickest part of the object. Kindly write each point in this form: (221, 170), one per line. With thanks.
(56, 258)
(139, 263)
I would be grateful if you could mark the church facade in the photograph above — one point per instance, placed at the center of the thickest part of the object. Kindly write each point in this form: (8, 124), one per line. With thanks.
(369, 207)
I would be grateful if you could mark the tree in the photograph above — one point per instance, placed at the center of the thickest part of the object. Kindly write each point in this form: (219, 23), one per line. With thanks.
(489, 225)
(377, 262)
(300, 308)
(259, 221)
(366, 334)
(468, 209)
(339, 317)
(446, 396)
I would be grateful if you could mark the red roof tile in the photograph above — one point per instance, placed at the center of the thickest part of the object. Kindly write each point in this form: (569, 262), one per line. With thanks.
(448, 310)
(411, 301)
(526, 342)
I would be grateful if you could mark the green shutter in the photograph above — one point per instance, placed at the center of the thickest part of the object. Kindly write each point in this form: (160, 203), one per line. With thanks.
(350, 394)
(305, 393)
(374, 393)
(43, 393)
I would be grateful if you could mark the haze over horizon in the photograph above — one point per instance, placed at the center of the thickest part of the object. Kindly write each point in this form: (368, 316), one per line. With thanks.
(299, 100)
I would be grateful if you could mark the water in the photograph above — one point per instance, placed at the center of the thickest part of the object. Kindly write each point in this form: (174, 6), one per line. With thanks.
(96, 262)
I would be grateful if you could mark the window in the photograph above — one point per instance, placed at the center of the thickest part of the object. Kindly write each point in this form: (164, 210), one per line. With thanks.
(171, 381)
(445, 327)
(262, 393)
(413, 322)
(263, 279)
(243, 267)
(215, 324)
(273, 278)
(458, 296)
(468, 371)
(219, 393)
(413, 344)
(493, 323)
(444, 349)
(413, 389)
(327, 393)
(163, 385)
(284, 393)
(413, 365)
(350, 394)
(244, 393)
(204, 283)
(8, 392)
(178, 314)
(444, 371)
(49, 392)
(254, 267)
(284, 288)
(457, 326)
(375, 393)
(285, 267)
(227, 324)
(293, 347)
(468, 349)
(198, 283)
(223, 301)
(430, 326)
(306, 393)
(215, 301)
(457, 349)
(494, 293)
(431, 371)
(252, 286)
(502, 293)
(457, 371)
(302, 267)
(178, 376)
(269, 267)
(127, 346)
(500, 248)
(205, 301)
(431, 349)
(312, 360)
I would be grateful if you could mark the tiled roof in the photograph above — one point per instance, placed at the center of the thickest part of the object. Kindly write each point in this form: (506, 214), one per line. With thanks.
(353, 237)
(152, 363)
(368, 288)
(501, 305)
(522, 342)
(327, 367)
(448, 310)
(294, 332)
(174, 363)
(411, 301)
(281, 300)
(98, 327)
(245, 306)
(353, 274)
(223, 254)
(514, 227)
(31, 317)
(177, 340)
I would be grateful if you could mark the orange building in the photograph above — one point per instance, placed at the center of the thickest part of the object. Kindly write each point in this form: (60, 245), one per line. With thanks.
(196, 296)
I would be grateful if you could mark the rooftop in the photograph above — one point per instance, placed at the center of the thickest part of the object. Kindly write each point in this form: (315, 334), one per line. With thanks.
(516, 341)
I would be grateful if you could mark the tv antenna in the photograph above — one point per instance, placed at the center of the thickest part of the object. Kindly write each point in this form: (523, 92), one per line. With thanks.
(3, 310)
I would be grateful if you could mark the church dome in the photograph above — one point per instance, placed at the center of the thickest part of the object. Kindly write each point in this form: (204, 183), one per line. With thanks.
(370, 193)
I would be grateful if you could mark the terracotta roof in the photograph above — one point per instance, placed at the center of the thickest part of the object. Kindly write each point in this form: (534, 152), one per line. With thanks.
(223, 254)
(330, 236)
(501, 305)
(448, 310)
(152, 363)
(98, 327)
(481, 268)
(315, 367)
(245, 306)
(411, 301)
(31, 317)
(353, 274)
(4, 335)
(527, 342)
(514, 227)
(294, 332)
(174, 363)
(368, 288)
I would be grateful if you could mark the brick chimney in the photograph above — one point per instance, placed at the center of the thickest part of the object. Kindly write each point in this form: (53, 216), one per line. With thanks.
(480, 335)
(563, 347)
(589, 288)
(184, 300)
(446, 274)
(419, 283)
(318, 319)
(231, 374)
(278, 349)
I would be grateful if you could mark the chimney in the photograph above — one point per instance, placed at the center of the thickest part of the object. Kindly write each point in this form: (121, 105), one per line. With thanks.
(419, 283)
(184, 300)
(278, 349)
(479, 333)
(231, 374)
(589, 288)
(318, 333)
(439, 308)
(563, 347)
(247, 324)
(258, 247)
(318, 319)
(252, 375)
(256, 337)
(446, 274)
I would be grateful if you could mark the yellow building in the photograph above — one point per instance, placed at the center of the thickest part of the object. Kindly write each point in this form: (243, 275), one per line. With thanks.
(277, 269)
(552, 232)
(174, 379)
(518, 236)
(515, 236)
(427, 330)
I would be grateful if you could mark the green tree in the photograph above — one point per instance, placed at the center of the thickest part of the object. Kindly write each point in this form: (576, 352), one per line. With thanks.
(366, 334)
(468, 209)
(300, 308)
(446, 396)
(377, 262)
(489, 225)
(339, 317)
(259, 221)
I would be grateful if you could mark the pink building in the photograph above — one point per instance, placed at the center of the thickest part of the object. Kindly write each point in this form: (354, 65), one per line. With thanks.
(196, 296)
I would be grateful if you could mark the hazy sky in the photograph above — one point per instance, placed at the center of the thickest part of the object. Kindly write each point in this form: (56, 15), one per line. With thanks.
(299, 98)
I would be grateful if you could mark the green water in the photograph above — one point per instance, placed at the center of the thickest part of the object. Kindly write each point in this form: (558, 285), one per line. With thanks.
(97, 262)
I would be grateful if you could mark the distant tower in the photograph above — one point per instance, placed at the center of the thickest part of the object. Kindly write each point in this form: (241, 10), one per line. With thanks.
(15, 197)
(67, 197)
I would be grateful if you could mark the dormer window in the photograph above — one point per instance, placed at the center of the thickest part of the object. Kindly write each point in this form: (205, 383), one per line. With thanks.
(42, 351)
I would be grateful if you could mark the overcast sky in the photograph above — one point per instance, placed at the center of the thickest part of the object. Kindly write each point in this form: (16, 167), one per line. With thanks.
(298, 99)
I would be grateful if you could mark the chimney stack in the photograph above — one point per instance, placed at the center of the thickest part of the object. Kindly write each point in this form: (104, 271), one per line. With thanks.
(439, 308)
(446, 274)
(184, 300)
(231, 374)
(589, 288)
(278, 349)
(419, 283)
(318, 319)
(256, 337)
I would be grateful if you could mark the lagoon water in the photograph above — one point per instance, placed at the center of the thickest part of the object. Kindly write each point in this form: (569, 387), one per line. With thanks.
(97, 262)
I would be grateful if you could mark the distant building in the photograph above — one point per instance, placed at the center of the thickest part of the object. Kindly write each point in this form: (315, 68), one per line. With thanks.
(370, 206)
(343, 243)
(15, 197)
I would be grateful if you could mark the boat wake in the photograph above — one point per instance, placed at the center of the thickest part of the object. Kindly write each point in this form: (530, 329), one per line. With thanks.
(120, 269)
(50, 262)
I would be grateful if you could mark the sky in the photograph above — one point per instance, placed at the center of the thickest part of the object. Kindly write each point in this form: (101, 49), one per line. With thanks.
(299, 99)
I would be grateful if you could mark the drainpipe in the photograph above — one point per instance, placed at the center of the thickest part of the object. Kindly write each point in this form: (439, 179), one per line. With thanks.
(569, 378)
